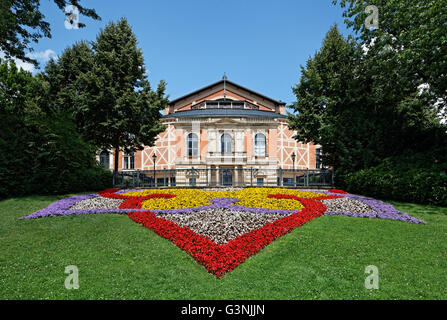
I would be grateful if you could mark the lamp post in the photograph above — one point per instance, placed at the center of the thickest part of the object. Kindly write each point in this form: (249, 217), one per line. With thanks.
(293, 160)
(154, 157)
(293, 173)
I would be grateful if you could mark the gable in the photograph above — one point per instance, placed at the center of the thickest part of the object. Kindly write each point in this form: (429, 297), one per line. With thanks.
(216, 91)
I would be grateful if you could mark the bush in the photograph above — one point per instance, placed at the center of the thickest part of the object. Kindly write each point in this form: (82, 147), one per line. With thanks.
(91, 179)
(420, 178)
(47, 156)
(41, 151)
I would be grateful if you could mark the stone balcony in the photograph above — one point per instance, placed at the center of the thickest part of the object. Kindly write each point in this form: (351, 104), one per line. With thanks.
(215, 158)
(226, 157)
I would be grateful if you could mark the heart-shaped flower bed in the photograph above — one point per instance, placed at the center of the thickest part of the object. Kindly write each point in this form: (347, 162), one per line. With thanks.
(221, 258)
(220, 229)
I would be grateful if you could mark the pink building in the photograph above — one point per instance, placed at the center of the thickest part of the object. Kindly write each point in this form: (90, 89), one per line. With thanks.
(224, 131)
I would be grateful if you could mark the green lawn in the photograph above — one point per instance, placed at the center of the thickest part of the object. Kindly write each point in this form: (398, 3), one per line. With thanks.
(119, 259)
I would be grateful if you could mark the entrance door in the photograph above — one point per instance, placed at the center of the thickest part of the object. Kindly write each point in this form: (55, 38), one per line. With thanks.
(227, 177)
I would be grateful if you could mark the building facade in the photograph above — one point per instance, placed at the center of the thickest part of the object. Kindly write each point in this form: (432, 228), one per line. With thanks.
(222, 130)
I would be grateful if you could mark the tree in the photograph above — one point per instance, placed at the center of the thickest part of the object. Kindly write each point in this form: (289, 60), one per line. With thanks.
(326, 98)
(109, 95)
(359, 106)
(65, 78)
(17, 89)
(22, 22)
(41, 152)
(416, 32)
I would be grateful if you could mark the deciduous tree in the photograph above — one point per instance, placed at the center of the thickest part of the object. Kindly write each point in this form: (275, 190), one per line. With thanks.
(22, 22)
(108, 91)
(415, 32)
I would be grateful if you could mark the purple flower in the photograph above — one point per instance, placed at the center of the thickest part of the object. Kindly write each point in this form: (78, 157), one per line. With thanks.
(382, 210)
(62, 208)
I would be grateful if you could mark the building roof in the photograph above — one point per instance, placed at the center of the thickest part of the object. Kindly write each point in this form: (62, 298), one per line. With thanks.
(227, 82)
(224, 113)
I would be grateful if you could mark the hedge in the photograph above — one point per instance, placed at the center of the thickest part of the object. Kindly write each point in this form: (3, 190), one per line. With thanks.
(411, 179)
(47, 157)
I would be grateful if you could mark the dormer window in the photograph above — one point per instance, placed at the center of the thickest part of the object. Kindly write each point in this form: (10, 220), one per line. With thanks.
(224, 104)
(211, 105)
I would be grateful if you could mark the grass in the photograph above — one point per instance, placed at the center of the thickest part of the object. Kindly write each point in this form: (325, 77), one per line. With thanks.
(119, 259)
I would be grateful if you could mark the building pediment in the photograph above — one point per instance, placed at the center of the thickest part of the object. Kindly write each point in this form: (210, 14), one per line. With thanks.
(228, 90)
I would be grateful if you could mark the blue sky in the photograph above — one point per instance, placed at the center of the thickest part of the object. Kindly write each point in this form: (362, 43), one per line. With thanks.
(190, 44)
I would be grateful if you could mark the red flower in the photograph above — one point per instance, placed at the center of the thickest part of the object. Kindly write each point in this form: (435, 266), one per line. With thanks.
(219, 259)
(132, 202)
(337, 191)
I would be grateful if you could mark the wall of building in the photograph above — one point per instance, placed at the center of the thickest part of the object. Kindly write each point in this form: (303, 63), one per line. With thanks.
(170, 147)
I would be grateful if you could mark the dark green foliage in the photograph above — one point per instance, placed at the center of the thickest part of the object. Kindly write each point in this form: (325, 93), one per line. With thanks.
(65, 163)
(416, 32)
(420, 178)
(95, 96)
(361, 111)
(363, 100)
(22, 23)
(41, 152)
(328, 110)
(65, 77)
(47, 159)
(106, 88)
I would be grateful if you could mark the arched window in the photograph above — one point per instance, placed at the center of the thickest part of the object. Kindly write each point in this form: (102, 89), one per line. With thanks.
(193, 145)
(260, 145)
(104, 159)
(225, 143)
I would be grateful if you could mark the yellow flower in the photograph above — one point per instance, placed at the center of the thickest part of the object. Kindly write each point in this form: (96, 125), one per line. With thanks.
(249, 197)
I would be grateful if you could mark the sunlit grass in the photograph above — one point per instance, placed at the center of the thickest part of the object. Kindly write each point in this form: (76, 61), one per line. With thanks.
(119, 259)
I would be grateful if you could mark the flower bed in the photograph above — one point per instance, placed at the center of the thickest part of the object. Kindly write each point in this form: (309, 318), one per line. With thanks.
(220, 229)
(221, 258)
(248, 197)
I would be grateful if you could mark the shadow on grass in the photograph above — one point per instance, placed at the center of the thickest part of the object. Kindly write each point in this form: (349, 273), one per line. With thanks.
(420, 208)
(409, 207)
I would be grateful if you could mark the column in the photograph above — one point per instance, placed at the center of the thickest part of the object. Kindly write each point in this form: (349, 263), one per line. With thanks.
(236, 176)
(217, 175)
(209, 175)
